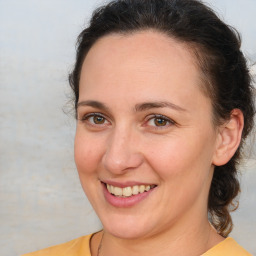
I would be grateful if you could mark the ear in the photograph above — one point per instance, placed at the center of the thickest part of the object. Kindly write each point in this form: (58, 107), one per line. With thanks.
(228, 138)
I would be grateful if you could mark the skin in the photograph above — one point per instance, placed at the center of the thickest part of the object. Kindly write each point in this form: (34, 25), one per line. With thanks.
(122, 72)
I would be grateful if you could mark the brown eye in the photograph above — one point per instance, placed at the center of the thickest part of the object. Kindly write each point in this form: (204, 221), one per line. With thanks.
(160, 122)
(98, 119)
(95, 119)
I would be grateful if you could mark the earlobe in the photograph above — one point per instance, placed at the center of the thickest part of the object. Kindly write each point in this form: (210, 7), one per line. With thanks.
(229, 137)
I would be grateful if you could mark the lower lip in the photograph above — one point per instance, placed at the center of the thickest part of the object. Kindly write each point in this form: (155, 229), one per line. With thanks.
(124, 202)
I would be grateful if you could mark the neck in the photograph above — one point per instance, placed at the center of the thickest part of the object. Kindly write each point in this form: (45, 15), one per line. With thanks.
(191, 240)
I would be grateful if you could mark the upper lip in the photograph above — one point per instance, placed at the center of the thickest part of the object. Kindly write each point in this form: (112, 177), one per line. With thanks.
(125, 183)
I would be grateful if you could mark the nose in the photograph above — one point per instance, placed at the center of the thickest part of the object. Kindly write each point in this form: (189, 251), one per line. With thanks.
(122, 152)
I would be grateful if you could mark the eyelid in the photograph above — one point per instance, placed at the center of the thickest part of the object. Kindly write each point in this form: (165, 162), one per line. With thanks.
(153, 116)
(149, 117)
(85, 118)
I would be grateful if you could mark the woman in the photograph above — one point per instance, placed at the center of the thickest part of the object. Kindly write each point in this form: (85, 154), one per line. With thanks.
(164, 102)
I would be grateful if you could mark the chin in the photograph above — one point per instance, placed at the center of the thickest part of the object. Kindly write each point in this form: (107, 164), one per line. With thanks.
(125, 233)
(126, 229)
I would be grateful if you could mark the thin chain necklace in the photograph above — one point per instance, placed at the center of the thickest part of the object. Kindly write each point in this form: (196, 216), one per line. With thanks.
(100, 245)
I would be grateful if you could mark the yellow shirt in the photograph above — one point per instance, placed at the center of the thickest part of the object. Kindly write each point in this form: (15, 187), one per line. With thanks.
(81, 247)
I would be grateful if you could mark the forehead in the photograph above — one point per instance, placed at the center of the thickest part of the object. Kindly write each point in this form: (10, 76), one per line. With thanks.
(143, 61)
(149, 47)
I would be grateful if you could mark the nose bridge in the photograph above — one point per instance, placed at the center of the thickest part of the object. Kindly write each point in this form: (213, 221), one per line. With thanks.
(122, 152)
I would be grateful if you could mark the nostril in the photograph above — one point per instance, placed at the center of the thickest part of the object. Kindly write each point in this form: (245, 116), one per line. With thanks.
(123, 161)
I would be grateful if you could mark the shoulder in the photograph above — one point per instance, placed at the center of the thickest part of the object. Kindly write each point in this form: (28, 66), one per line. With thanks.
(76, 247)
(229, 247)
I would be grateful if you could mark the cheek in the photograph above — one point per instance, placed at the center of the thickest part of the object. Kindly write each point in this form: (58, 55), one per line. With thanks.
(182, 155)
(184, 170)
(87, 158)
(87, 153)
(168, 155)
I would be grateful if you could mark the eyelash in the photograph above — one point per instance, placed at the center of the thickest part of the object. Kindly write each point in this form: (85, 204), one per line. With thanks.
(86, 118)
(153, 117)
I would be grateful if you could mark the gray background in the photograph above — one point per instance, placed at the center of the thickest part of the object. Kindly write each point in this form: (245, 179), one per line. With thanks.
(41, 201)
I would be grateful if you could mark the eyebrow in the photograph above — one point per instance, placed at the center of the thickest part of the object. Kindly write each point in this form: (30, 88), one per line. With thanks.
(158, 104)
(138, 107)
(93, 103)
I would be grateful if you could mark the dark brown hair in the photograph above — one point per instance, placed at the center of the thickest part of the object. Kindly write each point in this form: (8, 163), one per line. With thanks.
(216, 47)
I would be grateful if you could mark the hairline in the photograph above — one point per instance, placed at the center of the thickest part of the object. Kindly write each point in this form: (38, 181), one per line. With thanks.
(198, 55)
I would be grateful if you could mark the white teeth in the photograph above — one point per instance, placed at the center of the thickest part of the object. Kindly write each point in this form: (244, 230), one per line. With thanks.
(128, 191)
(142, 188)
(135, 190)
(118, 191)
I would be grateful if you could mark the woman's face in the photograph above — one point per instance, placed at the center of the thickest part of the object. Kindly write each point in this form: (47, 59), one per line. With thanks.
(145, 142)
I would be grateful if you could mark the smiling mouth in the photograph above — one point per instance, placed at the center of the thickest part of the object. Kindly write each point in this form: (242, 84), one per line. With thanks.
(128, 191)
